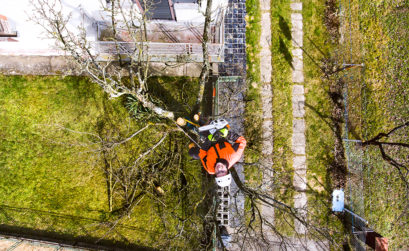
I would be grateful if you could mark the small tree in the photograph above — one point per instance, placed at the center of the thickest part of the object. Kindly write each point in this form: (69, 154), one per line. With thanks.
(381, 141)
(126, 70)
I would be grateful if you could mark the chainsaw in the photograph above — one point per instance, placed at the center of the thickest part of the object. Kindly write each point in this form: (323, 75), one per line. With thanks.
(210, 131)
(214, 126)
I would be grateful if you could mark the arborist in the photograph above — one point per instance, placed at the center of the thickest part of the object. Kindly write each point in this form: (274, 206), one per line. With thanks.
(219, 153)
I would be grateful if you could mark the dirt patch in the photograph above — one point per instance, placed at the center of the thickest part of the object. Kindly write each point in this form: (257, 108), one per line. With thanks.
(338, 167)
(331, 20)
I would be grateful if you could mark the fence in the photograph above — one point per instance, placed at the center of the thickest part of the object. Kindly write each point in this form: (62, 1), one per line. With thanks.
(353, 78)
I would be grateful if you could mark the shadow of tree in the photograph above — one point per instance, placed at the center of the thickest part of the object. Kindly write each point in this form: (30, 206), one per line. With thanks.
(286, 53)
(174, 93)
(50, 235)
(285, 29)
(335, 121)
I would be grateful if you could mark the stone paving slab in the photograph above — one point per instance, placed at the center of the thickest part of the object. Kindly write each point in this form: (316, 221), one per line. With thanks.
(296, 6)
(265, 5)
(298, 149)
(298, 139)
(298, 110)
(298, 76)
(296, 25)
(267, 101)
(298, 98)
(298, 90)
(265, 52)
(266, 161)
(297, 40)
(299, 125)
(265, 33)
(300, 202)
(267, 212)
(266, 95)
(300, 180)
(267, 136)
(266, 127)
(298, 113)
(299, 162)
(297, 64)
(297, 53)
(296, 17)
(267, 114)
(266, 69)
(298, 106)
(268, 174)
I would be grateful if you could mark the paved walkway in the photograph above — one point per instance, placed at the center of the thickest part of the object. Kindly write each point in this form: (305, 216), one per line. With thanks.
(232, 93)
(298, 103)
(57, 65)
(18, 244)
(266, 161)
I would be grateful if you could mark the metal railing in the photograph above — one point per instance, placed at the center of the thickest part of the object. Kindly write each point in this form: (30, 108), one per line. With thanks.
(7, 29)
(161, 51)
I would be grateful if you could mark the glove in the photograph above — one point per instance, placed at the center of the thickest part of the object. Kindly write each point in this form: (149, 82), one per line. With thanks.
(232, 137)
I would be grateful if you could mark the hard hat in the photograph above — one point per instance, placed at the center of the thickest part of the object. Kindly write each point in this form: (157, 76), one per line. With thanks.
(224, 181)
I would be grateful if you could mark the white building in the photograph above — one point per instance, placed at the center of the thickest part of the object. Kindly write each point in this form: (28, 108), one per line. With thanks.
(175, 28)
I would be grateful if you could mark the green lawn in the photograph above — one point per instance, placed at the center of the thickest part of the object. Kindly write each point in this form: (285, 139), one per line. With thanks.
(39, 169)
(253, 116)
(317, 46)
(373, 33)
(376, 34)
(50, 172)
(319, 134)
(282, 108)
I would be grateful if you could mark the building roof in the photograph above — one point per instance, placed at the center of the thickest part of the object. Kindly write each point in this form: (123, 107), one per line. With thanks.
(160, 9)
(185, 1)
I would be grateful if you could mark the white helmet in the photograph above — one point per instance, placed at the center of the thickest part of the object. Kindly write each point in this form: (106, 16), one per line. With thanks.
(224, 181)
